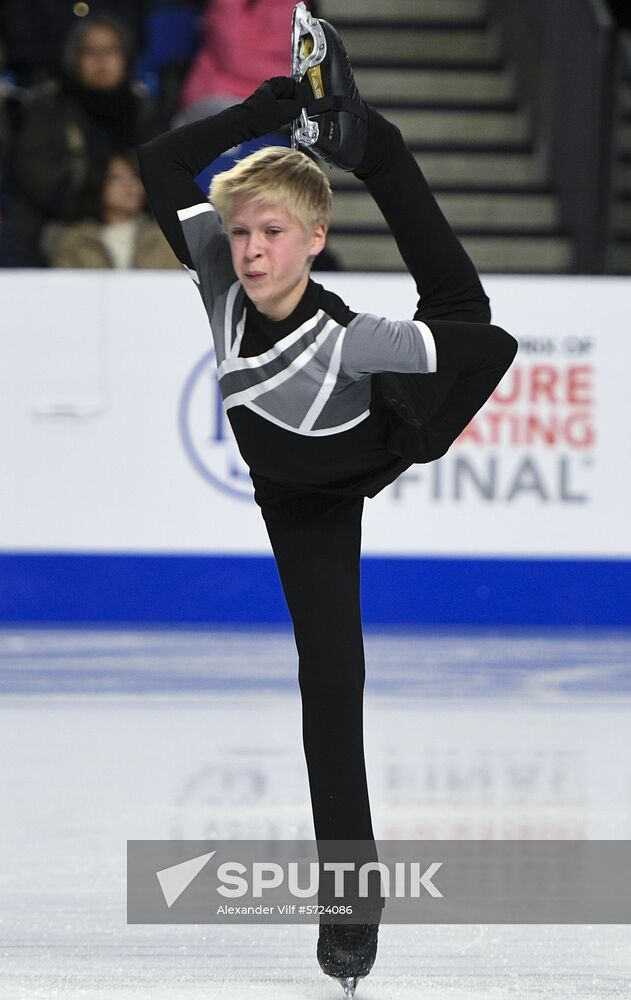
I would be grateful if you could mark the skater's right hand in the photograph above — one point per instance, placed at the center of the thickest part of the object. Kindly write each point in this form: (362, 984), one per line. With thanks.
(279, 101)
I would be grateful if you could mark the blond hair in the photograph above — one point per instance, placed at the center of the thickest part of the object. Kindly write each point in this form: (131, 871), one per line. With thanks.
(276, 175)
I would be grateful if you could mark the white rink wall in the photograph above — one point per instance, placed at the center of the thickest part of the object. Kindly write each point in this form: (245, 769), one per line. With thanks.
(114, 439)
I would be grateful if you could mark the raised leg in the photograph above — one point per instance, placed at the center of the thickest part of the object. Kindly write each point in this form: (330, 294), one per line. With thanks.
(447, 282)
(450, 296)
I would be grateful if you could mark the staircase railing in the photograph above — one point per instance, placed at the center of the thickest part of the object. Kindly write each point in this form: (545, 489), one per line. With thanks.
(565, 57)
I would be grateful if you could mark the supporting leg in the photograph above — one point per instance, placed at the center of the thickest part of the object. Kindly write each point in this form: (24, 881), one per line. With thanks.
(316, 542)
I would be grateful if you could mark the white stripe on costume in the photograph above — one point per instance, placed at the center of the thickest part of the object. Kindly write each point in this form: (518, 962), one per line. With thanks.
(189, 213)
(239, 364)
(238, 336)
(321, 432)
(325, 390)
(227, 320)
(430, 344)
(245, 396)
(192, 273)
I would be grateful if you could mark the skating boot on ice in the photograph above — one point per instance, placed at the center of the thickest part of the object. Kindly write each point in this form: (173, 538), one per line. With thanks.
(335, 125)
(347, 952)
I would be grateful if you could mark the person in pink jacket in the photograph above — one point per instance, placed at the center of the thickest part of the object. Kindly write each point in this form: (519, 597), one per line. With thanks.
(243, 42)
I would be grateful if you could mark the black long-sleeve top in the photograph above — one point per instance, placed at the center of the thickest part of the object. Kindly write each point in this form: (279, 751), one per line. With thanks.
(300, 393)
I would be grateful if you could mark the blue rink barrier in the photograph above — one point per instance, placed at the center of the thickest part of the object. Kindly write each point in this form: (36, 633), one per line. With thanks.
(174, 589)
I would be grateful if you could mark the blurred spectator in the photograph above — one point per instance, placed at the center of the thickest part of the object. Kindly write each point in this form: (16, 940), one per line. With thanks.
(34, 31)
(92, 109)
(243, 43)
(12, 243)
(171, 39)
(13, 248)
(113, 230)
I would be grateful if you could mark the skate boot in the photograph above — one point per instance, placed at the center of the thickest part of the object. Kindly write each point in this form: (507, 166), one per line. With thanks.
(335, 125)
(347, 952)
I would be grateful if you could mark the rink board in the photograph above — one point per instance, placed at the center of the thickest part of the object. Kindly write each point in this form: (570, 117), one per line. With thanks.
(124, 498)
(241, 589)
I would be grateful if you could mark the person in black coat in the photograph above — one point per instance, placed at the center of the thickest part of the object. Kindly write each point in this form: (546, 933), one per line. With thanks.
(33, 32)
(92, 109)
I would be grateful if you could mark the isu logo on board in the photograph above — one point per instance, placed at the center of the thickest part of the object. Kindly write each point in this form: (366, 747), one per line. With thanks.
(206, 433)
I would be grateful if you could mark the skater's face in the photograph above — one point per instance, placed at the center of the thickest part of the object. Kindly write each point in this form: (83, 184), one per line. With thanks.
(271, 254)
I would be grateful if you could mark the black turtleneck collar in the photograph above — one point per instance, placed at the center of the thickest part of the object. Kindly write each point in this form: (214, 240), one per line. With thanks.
(273, 329)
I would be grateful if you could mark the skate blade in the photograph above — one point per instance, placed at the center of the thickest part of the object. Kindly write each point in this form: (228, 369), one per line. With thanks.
(308, 49)
(308, 42)
(349, 986)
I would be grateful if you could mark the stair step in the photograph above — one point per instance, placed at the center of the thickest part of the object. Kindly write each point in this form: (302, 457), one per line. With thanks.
(471, 169)
(439, 86)
(393, 44)
(471, 11)
(471, 128)
(473, 210)
(489, 253)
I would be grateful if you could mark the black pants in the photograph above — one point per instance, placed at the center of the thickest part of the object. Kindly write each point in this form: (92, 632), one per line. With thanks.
(316, 542)
(316, 537)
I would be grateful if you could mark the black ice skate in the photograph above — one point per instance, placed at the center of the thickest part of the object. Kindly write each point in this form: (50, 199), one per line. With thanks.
(335, 124)
(347, 952)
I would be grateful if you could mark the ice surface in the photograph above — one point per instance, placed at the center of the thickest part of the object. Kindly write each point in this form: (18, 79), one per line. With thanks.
(114, 735)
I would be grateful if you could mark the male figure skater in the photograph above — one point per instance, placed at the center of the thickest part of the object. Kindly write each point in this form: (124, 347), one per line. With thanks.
(327, 405)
